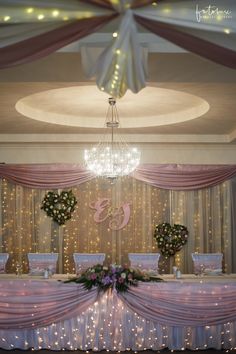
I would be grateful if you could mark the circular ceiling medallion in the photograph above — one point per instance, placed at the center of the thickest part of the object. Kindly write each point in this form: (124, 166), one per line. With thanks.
(86, 106)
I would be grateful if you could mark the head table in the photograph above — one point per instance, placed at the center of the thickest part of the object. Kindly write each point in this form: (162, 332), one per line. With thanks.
(188, 313)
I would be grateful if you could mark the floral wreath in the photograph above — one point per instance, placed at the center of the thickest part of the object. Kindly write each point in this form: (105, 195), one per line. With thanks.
(59, 206)
(112, 277)
(170, 239)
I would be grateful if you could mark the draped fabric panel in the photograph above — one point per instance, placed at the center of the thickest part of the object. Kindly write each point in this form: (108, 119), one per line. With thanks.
(184, 177)
(111, 323)
(29, 303)
(176, 305)
(128, 63)
(45, 175)
(190, 42)
(192, 304)
(140, 3)
(25, 228)
(46, 43)
(101, 3)
(207, 30)
(233, 219)
(10, 34)
(170, 176)
(43, 14)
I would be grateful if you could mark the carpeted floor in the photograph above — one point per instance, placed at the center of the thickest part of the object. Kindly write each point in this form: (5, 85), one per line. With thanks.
(164, 351)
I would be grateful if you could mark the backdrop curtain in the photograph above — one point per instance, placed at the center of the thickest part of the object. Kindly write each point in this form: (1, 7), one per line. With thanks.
(24, 227)
(233, 220)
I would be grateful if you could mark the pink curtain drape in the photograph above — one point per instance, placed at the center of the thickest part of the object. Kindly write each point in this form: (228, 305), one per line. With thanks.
(101, 3)
(38, 303)
(167, 176)
(191, 304)
(44, 44)
(202, 47)
(32, 304)
(140, 3)
(184, 177)
(45, 175)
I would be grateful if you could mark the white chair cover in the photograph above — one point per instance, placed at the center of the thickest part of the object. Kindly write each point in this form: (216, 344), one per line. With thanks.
(3, 260)
(207, 262)
(86, 260)
(144, 261)
(38, 262)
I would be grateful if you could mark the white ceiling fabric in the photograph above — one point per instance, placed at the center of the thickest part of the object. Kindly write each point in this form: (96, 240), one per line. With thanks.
(122, 65)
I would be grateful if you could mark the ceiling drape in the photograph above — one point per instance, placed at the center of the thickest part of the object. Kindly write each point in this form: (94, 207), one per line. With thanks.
(206, 30)
(190, 42)
(46, 43)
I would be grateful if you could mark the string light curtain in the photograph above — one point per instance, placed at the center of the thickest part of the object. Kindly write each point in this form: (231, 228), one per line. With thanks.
(26, 228)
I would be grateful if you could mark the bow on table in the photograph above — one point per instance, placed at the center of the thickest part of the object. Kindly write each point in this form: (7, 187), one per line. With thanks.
(29, 33)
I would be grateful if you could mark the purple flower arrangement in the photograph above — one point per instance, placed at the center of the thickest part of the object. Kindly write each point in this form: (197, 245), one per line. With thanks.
(112, 277)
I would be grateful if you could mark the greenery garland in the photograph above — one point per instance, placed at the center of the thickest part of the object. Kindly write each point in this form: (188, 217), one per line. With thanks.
(113, 276)
(59, 206)
(170, 239)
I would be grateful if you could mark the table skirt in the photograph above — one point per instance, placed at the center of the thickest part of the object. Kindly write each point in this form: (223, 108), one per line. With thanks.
(108, 321)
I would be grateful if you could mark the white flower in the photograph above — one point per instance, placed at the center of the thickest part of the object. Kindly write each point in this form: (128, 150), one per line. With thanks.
(123, 275)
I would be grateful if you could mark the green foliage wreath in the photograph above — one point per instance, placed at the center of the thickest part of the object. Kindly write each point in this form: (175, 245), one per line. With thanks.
(59, 206)
(170, 239)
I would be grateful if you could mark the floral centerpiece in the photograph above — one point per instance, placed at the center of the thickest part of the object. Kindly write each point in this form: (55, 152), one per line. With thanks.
(113, 276)
(170, 239)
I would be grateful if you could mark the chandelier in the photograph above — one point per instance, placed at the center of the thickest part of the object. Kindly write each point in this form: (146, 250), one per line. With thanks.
(112, 157)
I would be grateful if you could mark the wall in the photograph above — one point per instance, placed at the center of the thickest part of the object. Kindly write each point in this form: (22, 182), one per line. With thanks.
(62, 152)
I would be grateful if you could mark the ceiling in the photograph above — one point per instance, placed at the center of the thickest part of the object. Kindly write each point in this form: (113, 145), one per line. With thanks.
(169, 68)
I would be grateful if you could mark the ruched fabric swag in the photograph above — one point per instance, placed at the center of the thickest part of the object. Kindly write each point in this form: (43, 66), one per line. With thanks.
(30, 304)
(169, 176)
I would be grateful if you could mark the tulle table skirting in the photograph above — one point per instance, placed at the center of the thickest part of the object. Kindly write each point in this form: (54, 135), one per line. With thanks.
(190, 313)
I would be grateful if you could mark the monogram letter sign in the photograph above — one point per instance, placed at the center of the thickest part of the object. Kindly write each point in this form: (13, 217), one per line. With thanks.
(119, 216)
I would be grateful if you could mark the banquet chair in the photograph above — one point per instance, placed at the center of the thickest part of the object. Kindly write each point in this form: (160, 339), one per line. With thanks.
(144, 261)
(38, 262)
(3, 261)
(86, 260)
(207, 262)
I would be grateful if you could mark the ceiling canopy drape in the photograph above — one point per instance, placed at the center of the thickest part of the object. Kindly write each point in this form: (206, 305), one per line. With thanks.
(36, 31)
